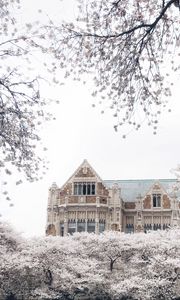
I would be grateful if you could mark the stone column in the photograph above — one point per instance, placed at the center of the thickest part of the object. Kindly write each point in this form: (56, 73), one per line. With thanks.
(86, 222)
(120, 219)
(57, 226)
(97, 221)
(106, 220)
(65, 222)
(161, 220)
(174, 218)
(76, 219)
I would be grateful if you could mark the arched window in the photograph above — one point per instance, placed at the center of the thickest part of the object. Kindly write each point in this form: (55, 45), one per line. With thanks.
(156, 200)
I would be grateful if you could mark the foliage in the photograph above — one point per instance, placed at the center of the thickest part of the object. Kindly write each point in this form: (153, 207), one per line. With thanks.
(125, 47)
(9, 239)
(22, 108)
(147, 266)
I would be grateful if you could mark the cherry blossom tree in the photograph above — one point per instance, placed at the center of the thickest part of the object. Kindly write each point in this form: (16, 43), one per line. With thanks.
(125, 46)
(22, 108)
(107, 249)
(72, 267)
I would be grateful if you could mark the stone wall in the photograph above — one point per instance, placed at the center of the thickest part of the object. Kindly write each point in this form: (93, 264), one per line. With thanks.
(101, 190)
(166, 202)
(67, 190)
(147, 202)
(129, 205)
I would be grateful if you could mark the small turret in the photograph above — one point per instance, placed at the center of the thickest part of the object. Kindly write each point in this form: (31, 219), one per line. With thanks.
(51, 214)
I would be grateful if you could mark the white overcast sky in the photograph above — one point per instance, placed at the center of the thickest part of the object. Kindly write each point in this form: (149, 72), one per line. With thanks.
(80, 132)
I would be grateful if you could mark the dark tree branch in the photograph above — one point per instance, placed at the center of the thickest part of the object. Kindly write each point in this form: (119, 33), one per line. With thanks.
(129, 31)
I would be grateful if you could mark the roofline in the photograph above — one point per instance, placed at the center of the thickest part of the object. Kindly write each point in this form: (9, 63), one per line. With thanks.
(148, 179)
(85, 162)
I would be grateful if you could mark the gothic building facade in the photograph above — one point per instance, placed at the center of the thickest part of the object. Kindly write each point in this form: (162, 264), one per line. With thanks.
(88, 203)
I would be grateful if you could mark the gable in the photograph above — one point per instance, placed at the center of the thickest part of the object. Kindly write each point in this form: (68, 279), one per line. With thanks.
(157, 190)
(135, 188)
(84, 172)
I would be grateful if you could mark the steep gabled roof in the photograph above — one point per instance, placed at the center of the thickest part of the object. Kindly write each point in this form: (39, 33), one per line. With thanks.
(85, 165)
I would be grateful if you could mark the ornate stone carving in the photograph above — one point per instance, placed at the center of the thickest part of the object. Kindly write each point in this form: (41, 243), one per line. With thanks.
(166, 202)
(147, 202)
(85, 172)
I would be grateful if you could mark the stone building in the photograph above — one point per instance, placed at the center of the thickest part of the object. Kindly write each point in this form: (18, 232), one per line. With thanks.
(88, 203)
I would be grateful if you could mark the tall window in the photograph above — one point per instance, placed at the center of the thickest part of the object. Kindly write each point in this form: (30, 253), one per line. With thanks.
(71, 226)
(156, 226)
(84, 188)
(91, 226)
(129, 224)
(101, 226)
(129, 228)
(81, 225)
(147, 227)
(156, 200)
(61, 229)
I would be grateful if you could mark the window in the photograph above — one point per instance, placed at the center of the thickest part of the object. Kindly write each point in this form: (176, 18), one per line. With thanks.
(129, 224)
(156, 226)
(101, 226)
(81, 225)
(147, 227)
(166, 222)
(91, 226)
(156, 200)
(166, 226)
(84, 188)
(71, 226)
(61, 229)
(129, 228)
(89, 189)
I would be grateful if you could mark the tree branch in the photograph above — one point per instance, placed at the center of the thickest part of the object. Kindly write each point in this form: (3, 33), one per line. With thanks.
(150, 26)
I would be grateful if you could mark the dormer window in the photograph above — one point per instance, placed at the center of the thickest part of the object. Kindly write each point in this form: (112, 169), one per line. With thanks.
(156, 200)
(84, 188)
